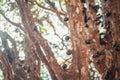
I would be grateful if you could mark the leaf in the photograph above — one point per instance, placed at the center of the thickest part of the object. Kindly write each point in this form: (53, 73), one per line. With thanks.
(2, 2)
(43, 29)
(54, 0)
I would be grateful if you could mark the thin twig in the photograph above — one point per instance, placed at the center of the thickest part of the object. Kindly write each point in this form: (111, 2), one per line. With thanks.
(13, 23)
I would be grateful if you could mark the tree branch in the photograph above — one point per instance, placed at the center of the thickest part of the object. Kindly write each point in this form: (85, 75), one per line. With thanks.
(7, 68)
(13, 23)
(60, 5)
(51, 24)
(50, 9)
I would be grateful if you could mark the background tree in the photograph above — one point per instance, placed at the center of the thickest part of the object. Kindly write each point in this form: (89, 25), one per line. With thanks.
(73, 39)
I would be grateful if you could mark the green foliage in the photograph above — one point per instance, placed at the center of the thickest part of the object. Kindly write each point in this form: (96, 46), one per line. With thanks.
(53, 0)
(1, 75)
(2, 2)
(42, 29)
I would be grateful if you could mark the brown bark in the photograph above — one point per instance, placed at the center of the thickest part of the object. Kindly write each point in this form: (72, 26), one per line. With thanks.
(79, 35)
(7, 71)
(114, 38)
(82, 53)
(36, 39)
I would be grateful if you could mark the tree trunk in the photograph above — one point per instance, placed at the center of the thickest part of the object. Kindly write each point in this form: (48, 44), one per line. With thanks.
(78, 33)
(85, 40)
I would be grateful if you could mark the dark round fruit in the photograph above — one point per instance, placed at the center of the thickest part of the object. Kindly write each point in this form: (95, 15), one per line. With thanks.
(109, 32)
(22, 61)
(96, 8)
(35, 28)
(98, 62)
(88, 41)
(116, 47)
(67, 38)
(108, 14)
(64, 66)
(69, 52)
(66, 19)
(94, 56)
(83, 1)
(102, 42)
(98, 53)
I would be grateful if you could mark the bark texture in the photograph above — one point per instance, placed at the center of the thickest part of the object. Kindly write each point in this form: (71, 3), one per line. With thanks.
(85, 40)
